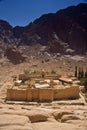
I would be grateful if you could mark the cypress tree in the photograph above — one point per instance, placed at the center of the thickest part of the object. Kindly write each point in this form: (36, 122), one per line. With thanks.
(79, 72)
(82, 73)
(86, 73)
(76, 71)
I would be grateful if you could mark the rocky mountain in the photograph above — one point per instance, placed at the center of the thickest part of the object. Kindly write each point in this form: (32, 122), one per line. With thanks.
(6, 33)
(65, 26)
(62, 32)
(7, 37)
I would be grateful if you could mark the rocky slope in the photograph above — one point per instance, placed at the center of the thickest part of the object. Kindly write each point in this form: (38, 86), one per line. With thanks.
(6, 33)
(62, 32)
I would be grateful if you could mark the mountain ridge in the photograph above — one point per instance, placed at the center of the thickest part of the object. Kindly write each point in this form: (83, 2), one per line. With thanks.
(65, 29)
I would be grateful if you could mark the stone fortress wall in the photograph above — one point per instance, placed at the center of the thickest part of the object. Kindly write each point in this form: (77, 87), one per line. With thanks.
(44, 94)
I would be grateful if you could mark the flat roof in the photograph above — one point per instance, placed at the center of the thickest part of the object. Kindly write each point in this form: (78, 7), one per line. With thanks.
(41, 85)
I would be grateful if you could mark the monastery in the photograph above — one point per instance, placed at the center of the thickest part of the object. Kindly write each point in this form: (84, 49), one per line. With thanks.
(41, 88)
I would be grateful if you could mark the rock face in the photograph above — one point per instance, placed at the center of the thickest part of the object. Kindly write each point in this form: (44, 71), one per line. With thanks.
(6, 34)
(66, 26)
(65, 29)
(14, 55)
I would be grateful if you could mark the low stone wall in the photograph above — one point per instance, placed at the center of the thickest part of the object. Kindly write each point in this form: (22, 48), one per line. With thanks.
(32, 94)
(39, 76)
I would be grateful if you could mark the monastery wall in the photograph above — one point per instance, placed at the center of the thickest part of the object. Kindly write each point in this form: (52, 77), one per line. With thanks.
(29, 95)
(66, 93)
(33, 94)
(46, 94)
(18, 95)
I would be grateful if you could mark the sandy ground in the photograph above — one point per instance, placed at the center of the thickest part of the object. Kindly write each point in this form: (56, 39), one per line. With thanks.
(69, 115)
(58, 115)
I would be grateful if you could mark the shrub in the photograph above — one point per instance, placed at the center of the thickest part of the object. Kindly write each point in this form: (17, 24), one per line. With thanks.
(53, 72)
(83, 81)
(86, 94)
(86, 73)
(26, 72)
(36, 72)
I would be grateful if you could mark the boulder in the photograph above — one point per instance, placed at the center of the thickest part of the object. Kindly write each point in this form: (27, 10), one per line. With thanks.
(65, 118)
(37, 116)
(59, 114)
(7, 119)
(16, 127)
(56, 126)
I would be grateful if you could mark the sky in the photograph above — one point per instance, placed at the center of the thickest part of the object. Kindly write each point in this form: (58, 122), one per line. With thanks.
(22, 12)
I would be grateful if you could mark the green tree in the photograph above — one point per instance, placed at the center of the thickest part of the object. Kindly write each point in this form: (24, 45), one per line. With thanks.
(76, 71)
(79, 72)
(83, 81)
(82, 73)
(85, 73)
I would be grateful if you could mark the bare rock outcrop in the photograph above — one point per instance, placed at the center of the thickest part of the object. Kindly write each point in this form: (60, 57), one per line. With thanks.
(58, 114)
(16, 127)
(29, 117)
(65, 29)
(5, 119)
(65, 118)
(14, 55)
(37, 116)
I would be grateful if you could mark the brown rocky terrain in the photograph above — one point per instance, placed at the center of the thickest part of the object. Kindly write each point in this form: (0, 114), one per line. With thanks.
(40, 116)
(59, 31)
(62, 32)
(55, 43)
(65, 114)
